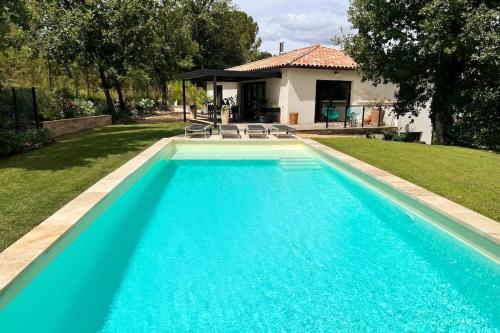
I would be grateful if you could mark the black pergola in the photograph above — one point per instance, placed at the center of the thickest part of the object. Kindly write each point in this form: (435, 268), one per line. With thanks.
(214, 75)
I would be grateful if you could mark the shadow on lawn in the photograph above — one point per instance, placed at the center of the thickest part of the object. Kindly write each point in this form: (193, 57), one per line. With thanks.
(83, 148)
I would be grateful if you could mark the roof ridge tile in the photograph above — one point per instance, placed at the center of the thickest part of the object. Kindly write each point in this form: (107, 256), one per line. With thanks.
(312, 48)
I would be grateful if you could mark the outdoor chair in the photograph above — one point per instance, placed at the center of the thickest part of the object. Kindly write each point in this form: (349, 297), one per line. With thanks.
(331, 112)
(281, 129)
(256, 130)
(198, 129)
(232, 130)
(352, 116)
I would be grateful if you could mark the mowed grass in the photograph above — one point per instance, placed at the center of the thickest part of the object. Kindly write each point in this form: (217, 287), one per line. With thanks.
(36, 184)
(469, 177)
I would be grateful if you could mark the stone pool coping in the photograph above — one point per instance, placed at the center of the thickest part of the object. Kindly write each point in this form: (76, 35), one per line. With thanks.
(473, 221)
(19, 256)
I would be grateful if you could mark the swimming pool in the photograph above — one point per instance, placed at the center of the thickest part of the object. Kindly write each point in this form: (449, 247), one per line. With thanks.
(255, 237)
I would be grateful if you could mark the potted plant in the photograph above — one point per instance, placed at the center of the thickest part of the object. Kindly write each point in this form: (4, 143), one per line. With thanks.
(376, 113)
(257, 107)
(193, 108)
(226, 110)
(193, 95)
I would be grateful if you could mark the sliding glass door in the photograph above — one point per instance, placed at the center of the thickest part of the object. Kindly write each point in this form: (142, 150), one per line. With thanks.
(335, 94)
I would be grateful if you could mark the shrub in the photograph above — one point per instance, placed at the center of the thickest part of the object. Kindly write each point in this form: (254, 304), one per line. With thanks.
(14, 142)
(394, 135)
(390, 135)
(48, 104)
(60, 104)
(122, 118)
(69, 109)
(85, 108)
(369, 135)
(145, 106)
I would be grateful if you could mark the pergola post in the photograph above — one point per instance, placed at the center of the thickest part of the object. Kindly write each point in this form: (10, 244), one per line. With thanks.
(214, 81)
(184, 98)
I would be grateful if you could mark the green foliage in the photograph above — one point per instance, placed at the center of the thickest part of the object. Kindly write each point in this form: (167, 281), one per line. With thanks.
(145, 106)
(14, 142)
(12, 13)
(172, 47)
(85, 108)
(259, 55)
(122, 118)
(109, 50)
(60, 104)
(175, 91)
(194, 94)
(225, 35)
(443, 52)
(393, 135)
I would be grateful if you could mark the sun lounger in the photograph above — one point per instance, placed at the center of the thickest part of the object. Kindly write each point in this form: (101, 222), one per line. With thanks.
(228, 130)
(281, 129)
(198, 129)
(256, 130)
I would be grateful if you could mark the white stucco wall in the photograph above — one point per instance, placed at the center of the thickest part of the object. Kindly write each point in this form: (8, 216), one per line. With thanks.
(302, 90)
(296, 92)
(422, 123)
(229, 89)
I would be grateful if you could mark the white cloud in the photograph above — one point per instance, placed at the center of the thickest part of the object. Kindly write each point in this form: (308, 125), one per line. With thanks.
(297, 23)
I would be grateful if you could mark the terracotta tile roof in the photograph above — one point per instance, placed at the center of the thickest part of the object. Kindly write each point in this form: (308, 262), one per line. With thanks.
(315, 56)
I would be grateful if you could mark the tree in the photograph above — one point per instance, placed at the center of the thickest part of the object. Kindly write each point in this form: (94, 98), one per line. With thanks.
(114, 36)
(443, 52)
(12, 12)
(172, 48)
(259, 55)
(225, 36)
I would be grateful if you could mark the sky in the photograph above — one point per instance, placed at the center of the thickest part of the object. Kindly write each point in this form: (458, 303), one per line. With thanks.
(298, 23)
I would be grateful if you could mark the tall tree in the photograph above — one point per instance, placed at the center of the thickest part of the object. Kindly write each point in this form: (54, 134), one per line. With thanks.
(173, 47)
(225, 35)
(442, 52)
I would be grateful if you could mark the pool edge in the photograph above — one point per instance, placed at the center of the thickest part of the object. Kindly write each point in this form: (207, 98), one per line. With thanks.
(474, 222)
(18, 257)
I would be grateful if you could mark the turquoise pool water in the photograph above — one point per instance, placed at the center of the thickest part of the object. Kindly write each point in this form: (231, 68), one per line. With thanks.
(253, 240)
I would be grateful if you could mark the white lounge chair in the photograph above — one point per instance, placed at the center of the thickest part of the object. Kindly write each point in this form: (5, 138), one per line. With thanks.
(283, 129)
(198, 129)
(256, 130)
(229, 130)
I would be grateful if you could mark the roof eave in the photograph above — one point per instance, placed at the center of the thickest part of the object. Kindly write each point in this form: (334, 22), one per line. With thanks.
(300, 66)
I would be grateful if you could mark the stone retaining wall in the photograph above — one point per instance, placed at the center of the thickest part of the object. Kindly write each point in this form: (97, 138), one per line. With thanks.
(66, 126)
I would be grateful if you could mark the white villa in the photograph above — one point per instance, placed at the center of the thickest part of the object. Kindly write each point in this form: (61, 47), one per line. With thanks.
(305, 81)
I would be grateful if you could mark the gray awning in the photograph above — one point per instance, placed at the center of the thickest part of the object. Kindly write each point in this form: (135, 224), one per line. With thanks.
(223, 75)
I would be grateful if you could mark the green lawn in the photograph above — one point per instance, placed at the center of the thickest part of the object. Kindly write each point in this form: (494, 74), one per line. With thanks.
(469, 177)
(36, 184)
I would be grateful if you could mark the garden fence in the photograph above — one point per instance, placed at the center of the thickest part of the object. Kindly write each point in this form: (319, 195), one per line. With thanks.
(18, 108)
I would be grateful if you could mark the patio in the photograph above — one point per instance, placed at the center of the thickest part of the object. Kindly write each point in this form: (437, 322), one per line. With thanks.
(219, 75)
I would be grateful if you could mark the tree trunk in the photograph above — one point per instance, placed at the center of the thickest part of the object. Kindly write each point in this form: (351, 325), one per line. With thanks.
(87, 81)
(121, 100)
(105, 86)
(439, 130)
(164, 94)
(49, 72)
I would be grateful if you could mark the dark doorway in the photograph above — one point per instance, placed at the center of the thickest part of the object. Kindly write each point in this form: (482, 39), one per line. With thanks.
(219, 96)
(332, 94)
(253, 99)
